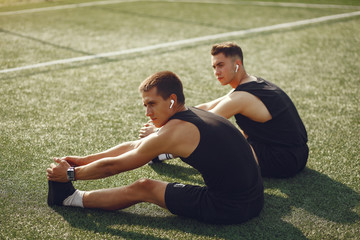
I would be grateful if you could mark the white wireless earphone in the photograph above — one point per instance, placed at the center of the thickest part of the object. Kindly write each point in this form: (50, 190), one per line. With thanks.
(237, 68)
(172, 103)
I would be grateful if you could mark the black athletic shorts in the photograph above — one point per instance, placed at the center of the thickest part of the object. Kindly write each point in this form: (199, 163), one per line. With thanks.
(199, 203)
(280, 162)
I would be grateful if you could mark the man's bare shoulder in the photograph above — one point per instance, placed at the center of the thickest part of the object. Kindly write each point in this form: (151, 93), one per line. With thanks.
(242, 95)
(177, 127)
(181, 137)
(250, 106)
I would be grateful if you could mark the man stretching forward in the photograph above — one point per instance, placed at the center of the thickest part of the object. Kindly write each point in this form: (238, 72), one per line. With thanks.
(209, 143)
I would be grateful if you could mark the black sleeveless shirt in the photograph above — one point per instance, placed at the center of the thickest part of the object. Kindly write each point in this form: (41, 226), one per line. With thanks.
(223, 157)
(284, 129)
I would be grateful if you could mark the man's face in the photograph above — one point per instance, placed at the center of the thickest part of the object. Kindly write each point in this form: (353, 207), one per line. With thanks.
(157, 109)
(224, 68)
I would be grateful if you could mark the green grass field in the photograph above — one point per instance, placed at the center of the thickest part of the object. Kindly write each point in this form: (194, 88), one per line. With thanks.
(82, 107)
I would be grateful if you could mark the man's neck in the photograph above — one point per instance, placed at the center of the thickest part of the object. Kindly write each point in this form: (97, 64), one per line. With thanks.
(242, 78)
(247, 78)
(180, 108)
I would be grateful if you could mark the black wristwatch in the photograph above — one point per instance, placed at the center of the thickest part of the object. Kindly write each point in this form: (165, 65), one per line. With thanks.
(71, 174)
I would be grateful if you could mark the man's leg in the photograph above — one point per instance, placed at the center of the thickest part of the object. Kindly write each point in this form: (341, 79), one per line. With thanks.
(143, 190)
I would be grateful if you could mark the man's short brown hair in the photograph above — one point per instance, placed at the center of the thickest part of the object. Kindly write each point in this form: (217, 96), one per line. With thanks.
(229, 49)
(166, 83)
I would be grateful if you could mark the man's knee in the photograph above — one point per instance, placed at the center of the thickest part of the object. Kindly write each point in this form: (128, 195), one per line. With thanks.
(150, 190)
(144, 185)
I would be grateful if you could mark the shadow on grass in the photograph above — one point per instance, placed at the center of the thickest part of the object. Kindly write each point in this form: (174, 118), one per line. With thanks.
(129, 225)
(313, 192)
(318, 195)
(178, 172)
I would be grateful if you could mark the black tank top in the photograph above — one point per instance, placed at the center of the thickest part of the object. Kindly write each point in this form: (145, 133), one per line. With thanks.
(284, 129)
(223, 157)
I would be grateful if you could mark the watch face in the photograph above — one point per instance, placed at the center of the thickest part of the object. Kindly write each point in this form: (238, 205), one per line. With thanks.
(71, 174)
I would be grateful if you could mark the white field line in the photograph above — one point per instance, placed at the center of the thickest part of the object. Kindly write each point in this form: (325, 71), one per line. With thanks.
(272, 4)
(69, 6)
(185, 41)
(108, 2)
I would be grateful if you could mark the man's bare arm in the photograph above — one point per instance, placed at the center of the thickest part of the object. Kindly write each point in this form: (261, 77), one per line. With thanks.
(107, 166)
(177, 137)
(242, 103)
(212, 104)
(112, 152)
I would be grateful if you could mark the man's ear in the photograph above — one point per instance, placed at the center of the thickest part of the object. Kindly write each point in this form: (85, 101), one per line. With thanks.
(173, 100)
(173, 97)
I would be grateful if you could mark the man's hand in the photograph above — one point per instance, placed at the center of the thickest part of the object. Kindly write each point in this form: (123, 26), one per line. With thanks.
(58, 173)
(74, 160)
(147, 129)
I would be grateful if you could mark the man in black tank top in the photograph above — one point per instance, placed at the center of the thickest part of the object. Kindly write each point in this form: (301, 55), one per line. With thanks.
(265, 113)
(233, 191)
